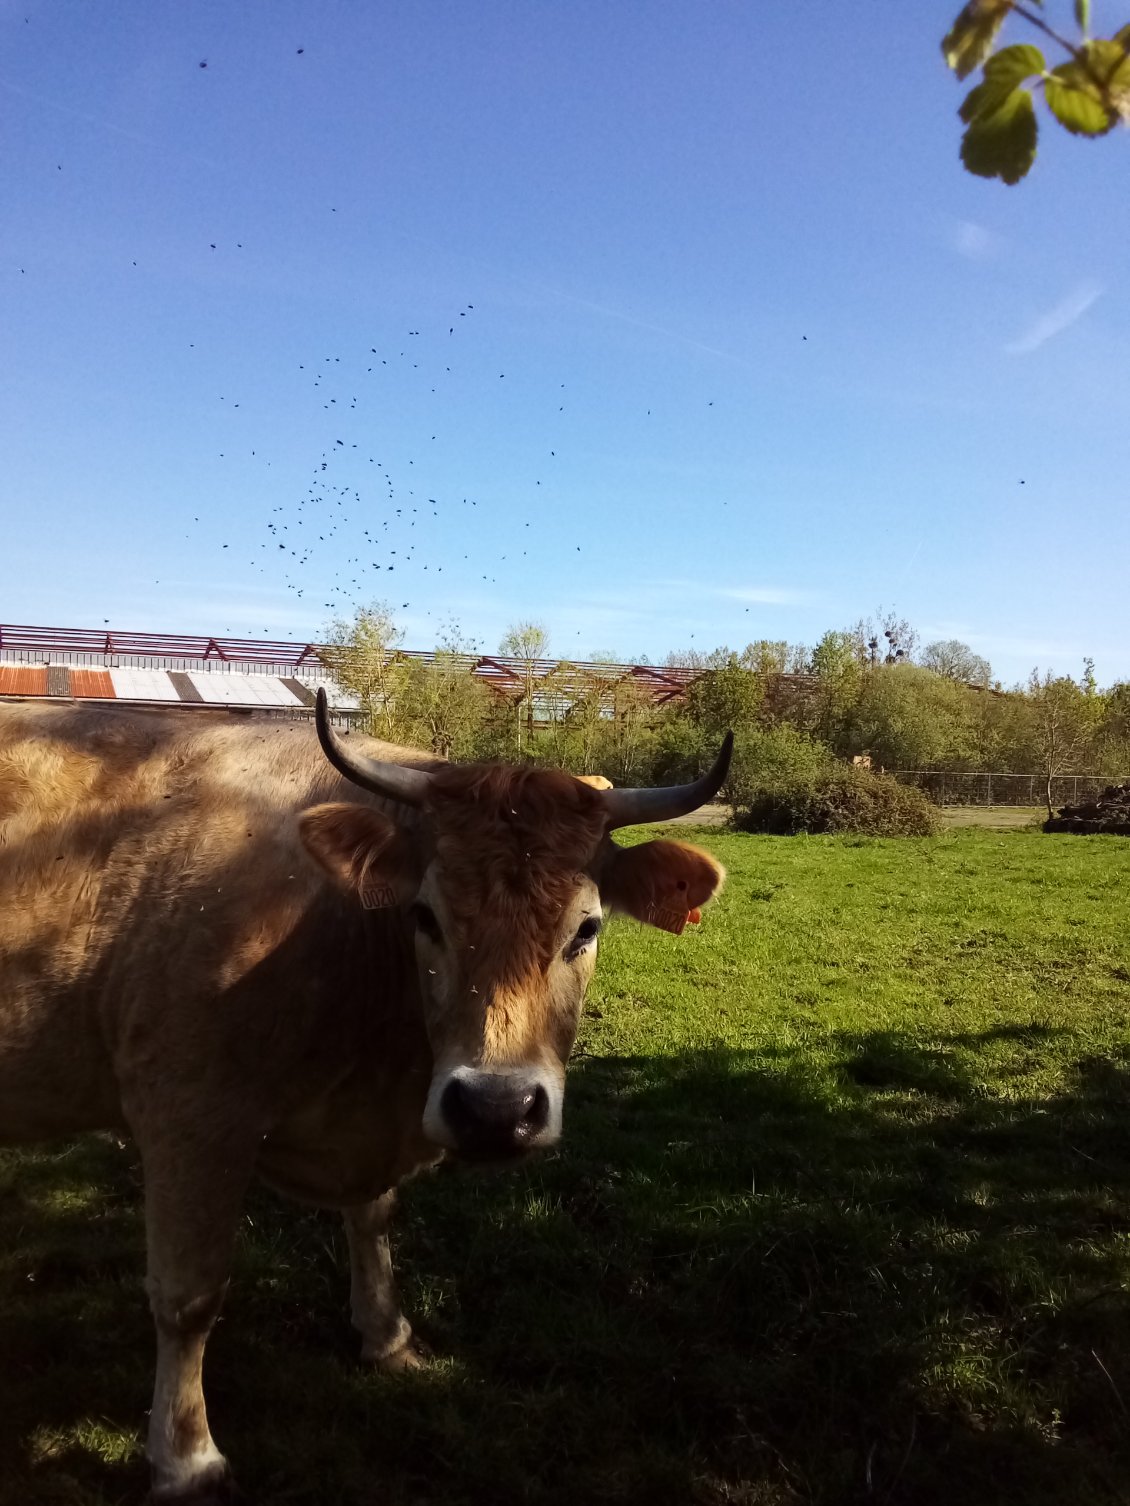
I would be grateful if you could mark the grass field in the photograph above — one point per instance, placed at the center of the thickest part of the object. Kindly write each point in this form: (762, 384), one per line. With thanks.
(993, 817)
(841, 1215)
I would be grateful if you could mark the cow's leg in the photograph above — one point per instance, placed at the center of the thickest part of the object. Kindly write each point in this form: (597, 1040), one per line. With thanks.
(194, 1192)
(386, 1336)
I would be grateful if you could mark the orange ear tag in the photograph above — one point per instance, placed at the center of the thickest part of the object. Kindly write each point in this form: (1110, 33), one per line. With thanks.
(694, 917)
(667, 920)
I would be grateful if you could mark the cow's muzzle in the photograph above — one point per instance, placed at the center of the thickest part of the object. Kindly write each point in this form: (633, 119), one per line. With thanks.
(495, 1116)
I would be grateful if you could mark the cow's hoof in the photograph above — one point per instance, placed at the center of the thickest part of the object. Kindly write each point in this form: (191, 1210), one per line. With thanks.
(214, 1487)
(410, 1356)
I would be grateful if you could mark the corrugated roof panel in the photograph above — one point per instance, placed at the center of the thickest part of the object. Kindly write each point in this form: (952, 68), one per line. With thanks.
(340, 700)
(142, 685)
(302, 693)
(245, 690)
(269, 690)
(92, 682)
(224, 689)
(22, 679)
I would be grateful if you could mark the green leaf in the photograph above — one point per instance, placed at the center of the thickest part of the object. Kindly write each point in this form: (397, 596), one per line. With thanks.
(972, 35)
(1083, 15)
(1123, 38)
(1103, 58)
(1003, 71)
(1075, 101)
(1118, 91)
(1017, 63)
(1002, 144)
(1108, 63)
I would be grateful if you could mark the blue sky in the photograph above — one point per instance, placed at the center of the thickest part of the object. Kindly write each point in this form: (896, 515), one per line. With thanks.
(685, 318)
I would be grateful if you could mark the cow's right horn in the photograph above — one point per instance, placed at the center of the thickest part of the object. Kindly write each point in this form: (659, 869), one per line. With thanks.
(634, 807)
(393, 780)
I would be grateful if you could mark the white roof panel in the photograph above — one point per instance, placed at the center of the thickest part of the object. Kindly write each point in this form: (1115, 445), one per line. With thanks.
(142, 685)
(225, 689)
(340, 700)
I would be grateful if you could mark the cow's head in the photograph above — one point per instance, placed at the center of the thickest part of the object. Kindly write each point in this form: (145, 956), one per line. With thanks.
(504, 874)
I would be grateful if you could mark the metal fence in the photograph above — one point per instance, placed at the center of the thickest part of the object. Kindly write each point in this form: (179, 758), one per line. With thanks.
(944, 787)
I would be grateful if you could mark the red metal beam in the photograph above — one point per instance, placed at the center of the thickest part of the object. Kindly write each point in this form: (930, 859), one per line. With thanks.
(503, 673)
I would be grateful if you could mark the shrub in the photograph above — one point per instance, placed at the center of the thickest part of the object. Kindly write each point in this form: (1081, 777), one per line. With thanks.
(680, 751)
(839, 798)
(767, 759)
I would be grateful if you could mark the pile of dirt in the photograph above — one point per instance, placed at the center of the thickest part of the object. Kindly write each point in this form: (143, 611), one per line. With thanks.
(1109, 813)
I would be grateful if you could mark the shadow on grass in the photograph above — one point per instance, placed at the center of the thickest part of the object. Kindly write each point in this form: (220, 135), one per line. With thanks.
(746, 1279)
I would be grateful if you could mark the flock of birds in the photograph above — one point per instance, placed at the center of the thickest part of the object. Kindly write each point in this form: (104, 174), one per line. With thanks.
(366, 516)
(354, 495)
(387, 512)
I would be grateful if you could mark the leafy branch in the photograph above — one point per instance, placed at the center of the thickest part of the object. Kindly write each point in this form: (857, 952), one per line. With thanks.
(1089, 94)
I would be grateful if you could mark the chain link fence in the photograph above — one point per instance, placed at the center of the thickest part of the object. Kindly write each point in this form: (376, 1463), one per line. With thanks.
(944, 787)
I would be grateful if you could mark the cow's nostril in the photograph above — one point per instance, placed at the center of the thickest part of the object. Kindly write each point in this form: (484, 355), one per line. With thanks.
(455, 1106)
(536, 1116)
(489, 1115)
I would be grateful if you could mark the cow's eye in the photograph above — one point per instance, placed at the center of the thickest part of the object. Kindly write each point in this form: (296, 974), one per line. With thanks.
(424, 919)
(588, 930)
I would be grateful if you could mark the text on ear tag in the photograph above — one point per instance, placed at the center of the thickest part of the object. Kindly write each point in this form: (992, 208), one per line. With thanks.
(667, 920)
(378, 897)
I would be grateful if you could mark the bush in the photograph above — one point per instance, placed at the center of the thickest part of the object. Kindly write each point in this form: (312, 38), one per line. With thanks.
(839, 798)
(767, 759)
(680, 751)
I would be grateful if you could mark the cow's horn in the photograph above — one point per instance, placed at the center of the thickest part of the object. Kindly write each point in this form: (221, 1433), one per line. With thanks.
(634, 807)
(393, 780)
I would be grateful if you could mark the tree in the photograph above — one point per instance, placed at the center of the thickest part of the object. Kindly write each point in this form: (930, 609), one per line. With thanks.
(590, 715)
(697, 658)
(836, 664)
(525, 640)
(556, 693)
(441, 705)
(629, 729)
(885, 638)
(956, 661)
(725, 699)
(835, 657)
(1065, 724)
(529, 642)
(1089, 94)
(909, 718)
(364, 658)
(768, 656)
(1115, 731)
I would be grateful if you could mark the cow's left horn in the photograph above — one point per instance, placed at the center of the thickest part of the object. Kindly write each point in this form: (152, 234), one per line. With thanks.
(392, 780)
(634, 807)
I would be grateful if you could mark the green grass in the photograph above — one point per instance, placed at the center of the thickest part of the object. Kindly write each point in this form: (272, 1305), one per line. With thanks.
(997, 817)
(841, 1215)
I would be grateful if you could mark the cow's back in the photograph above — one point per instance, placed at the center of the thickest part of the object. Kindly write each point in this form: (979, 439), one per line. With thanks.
(149, 861)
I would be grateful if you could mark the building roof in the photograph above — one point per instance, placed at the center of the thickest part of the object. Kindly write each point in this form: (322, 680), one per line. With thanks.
(256, 674)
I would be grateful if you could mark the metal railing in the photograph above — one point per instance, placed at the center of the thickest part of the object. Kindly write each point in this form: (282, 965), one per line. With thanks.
(984, 787)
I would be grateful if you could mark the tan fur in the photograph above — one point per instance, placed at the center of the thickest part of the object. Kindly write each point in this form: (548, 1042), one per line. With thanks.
(665, 875)
(509, 844)
(172, 961)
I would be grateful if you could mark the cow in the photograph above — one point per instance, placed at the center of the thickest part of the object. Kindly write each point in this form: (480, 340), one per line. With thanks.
(594, 781)
(326, 971)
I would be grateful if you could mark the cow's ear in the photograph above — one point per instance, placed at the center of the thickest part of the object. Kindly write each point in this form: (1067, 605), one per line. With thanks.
(363, 852)
(661, 883)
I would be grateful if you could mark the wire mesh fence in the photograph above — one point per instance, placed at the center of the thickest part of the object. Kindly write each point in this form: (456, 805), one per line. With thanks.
(944, 787)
